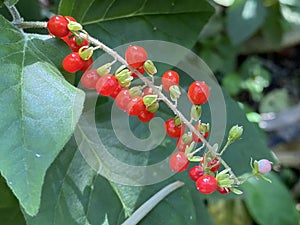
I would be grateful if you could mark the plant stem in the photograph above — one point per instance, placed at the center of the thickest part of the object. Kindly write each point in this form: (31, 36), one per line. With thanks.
(144, 209)
(14, 13)
(225, 147)
(30, 24)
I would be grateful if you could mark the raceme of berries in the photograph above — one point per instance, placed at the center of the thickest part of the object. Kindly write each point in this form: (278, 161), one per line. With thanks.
(73, 62)
(206, 184)
(173, 128)
(195, 172)
(107, 84)
(168, 79)
(179, 162)
(143, 102)
(58, 26)
(198, 92)
(89, 79)
(136, 56)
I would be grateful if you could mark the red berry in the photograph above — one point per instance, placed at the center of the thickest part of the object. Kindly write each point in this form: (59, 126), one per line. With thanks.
(181, 145)
(135, 106)
(214, 165)
(206, 184)
(145, 116)
(168, 79)
(140, 69)
(87, 64)
(116, 91)
(123, 99)
(135, 56)
(70, 18)
(203, 129)
(73, 62)
(198, 92)
(89, 79)
(58, 26)
(223, 190)
(147, 91)
(195, 172)
(107, 84)
(76, 43)
(179, 162)
(172, 130)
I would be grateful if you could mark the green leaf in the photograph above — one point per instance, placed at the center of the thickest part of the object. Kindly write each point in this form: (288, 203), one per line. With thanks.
(10, 212)
(119, 22)
(38, 114)
(74, 194)
(262, 201)
(244, 18)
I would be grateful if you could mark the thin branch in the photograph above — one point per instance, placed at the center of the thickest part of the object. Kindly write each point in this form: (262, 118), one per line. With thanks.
(30, 24)
(14, 13)
(144, 209)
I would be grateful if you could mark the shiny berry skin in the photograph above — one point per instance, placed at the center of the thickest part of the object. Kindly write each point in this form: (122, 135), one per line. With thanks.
(106, 85)
(172, 130)
(214, 165)
(75, 44)
(116, 91)
(135, 56)
(195, 172)
(87, 64)
(58, 26)
(123, 98)
(223, 190)
(168, 79)
(205, 135)
(178, 162)
(89, 79)
(206, 184)
(145, 116)
(140, 69)
(73, 62)
(147, 91)
(135, 106)
(198, 92)
(181, 145)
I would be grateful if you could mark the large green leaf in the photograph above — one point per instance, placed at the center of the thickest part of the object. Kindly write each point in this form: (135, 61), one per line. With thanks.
(38, 113)
(119, 22)
(74, 194)
(243, 18)
(270, 203)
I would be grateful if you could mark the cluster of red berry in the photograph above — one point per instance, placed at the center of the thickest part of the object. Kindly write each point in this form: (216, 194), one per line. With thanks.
(65, 27)
(143, 102)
